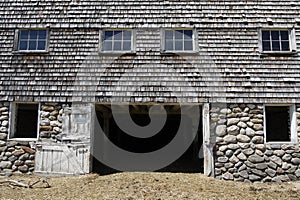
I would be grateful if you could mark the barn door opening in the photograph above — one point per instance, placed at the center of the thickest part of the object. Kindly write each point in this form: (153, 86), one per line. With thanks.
(190, 161)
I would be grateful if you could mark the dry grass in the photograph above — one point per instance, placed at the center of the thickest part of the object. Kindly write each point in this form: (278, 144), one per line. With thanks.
(154, 185)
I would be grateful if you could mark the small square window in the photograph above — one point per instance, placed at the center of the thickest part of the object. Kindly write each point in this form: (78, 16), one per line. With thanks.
(276, 40)
(279, 124)
(24, 121)
(178, 40)
(117, 40)
(32, 40)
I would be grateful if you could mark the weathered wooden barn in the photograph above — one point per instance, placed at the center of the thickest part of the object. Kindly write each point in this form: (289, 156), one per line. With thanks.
(66, 65)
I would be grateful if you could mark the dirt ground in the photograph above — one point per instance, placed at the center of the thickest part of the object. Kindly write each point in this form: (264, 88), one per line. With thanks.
(154, 185)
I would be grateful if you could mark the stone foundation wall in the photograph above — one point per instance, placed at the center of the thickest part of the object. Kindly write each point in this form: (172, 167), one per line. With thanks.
(51, 121)
(241, 154)
(15, 156)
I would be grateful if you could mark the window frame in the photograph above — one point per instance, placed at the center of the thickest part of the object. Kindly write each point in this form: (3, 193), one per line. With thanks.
(194, 42)
(12, 123)
(292, 127)
(133, 42)
(291, 35)
(17, 41)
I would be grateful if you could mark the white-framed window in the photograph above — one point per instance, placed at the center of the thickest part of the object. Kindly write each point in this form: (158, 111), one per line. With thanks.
(24, 118)
(277, 40)
(178, 40)
(117, 40)
(32, 40)
(280, 124)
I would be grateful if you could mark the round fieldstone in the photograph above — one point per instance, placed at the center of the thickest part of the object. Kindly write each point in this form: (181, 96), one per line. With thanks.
(229, 153)
(29, 163)
(250, 132)
(248, 151)
(295, 161)
(242, 157)
(3, 129)
(23, 157)
(222, 159)
(54, 113)
(260, 147)
(47, 108)
(2, 143)
(276, 160)
(232, 121)
(4, 123)
(3, 136)
(258, 127)
(5, 164)
(297, 173)
(221, 130)
(270, 172)
(242, 125)
(45, 114)
(261, 166)
(227, 176)
(3, 117)
(243, 138)
(244, 119)
(257, 140)
(253, 177)
(23, 168)
(233, 146)
(234, 159)
(250, 124)
(230, 139)
(18, 162)
(233, 130)
(223, 148)
(286, 157)
(45, 122)
(256, 121)
(255, 159)
(18, 152)
(279, 153)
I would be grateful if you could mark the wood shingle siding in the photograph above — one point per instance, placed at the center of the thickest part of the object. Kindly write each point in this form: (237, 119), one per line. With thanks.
(228, 64)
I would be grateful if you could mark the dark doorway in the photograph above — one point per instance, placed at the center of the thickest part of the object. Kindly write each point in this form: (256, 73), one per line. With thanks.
(190, 162)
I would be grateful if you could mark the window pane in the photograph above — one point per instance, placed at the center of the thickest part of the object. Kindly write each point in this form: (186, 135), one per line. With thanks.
(285, 46)
(33, 34)
(275, 46)
(108, 35)
(266, 46)
(169, 45)
(117, 46)
(107, 46)
(188, 34)
(42, 34)
(127, 46)
(127, 35)
(266, 35)
(178, 34)
(188, 45)
(41, 45)
(284, 35)
(168, 34)
(32, 45)
(178, 45)
(117, 35)
(24, 34)
(275, 35)
(277, 123)
(23, 45)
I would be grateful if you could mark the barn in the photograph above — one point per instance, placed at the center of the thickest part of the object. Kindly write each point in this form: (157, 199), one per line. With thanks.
(184, 86)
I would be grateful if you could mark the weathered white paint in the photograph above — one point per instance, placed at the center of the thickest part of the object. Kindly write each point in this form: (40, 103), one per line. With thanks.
(70, 159)
(207, 143)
